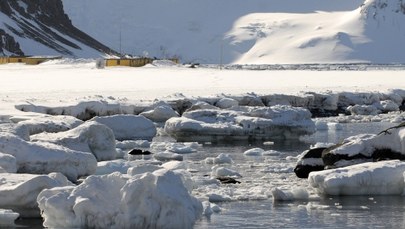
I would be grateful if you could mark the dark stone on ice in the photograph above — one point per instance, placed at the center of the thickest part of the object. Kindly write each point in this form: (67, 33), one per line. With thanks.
(227, 180)
(139, 152)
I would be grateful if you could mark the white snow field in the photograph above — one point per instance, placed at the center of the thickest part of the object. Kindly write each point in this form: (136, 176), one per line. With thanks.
(71, 90)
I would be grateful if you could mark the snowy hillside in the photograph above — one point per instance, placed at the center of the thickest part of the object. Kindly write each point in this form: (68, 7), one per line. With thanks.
(194, 30)
(372, 33)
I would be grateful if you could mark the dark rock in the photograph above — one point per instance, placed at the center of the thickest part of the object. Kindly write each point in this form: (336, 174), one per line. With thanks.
(44, 21)
(227, 180)
(311, 161)
(139, 152)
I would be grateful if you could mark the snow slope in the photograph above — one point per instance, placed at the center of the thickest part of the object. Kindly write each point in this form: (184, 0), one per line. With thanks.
(194, 30)
(372, 33)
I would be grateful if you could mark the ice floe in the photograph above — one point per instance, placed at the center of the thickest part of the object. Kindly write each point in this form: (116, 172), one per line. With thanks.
(129, 127)
(253, 123)
(370, 178)
(19, 192)
(150, 200)
(45, 157)
(91, 136)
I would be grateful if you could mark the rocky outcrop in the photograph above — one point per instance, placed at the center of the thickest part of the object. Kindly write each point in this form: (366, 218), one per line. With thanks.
(45, 22)
(9, 45)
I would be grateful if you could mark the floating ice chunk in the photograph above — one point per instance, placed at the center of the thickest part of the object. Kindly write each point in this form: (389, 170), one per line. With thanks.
(168, 156)
(363, 110)
(161, 112)
(222, 171)
(129, 127)
(321, 125)
(290, 195)
(254, 152)
(201, 105)
(91, 137)
(220, 159)
(271, 153)
(371, 178)
(335, 126)
(215, 198)
(143, 168)
(225, 103)
(7, 218)
(131, 144)
(50, 123)
(150, 200)
(182, 148)
(173, 165)
(8, 163)
(119, 165)
(44, 158)
(19, 191)
(243, 123)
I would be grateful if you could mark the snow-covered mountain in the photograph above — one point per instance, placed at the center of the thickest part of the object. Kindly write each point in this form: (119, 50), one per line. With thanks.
(374, 32)
(210, 31)
(194, 30)
(42, 28)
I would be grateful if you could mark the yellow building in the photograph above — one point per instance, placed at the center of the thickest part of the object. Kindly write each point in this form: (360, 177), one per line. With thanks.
(133, 62)
(130, 62)
(31, 60)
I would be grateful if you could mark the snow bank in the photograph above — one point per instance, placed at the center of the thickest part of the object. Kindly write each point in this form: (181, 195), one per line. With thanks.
(151, 200)
(19, 191)
(129, 127)
(90, 137)
(247, 123)
(44, 157)
(371, 178)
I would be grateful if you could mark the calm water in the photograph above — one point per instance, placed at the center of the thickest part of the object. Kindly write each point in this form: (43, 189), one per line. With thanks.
(276, 171)
(327, 212)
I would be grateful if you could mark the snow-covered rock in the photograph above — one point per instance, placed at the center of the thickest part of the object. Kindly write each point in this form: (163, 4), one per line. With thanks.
(150, 200)
(371, 178)
(389, 144)
(129, 127)
(90, 136)
(19, 191)
(246, 123)
(44, 157)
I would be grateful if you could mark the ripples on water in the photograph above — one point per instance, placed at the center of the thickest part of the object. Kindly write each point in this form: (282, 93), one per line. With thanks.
(326, 212)
(268, 172)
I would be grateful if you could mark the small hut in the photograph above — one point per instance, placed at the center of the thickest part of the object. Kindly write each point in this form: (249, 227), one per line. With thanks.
(31, 60)
(129, 62)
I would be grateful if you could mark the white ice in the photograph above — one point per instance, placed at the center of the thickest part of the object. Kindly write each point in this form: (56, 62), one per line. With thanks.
(371, 178)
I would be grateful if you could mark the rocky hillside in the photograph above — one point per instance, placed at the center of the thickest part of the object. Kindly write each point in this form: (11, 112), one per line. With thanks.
(41, 27)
